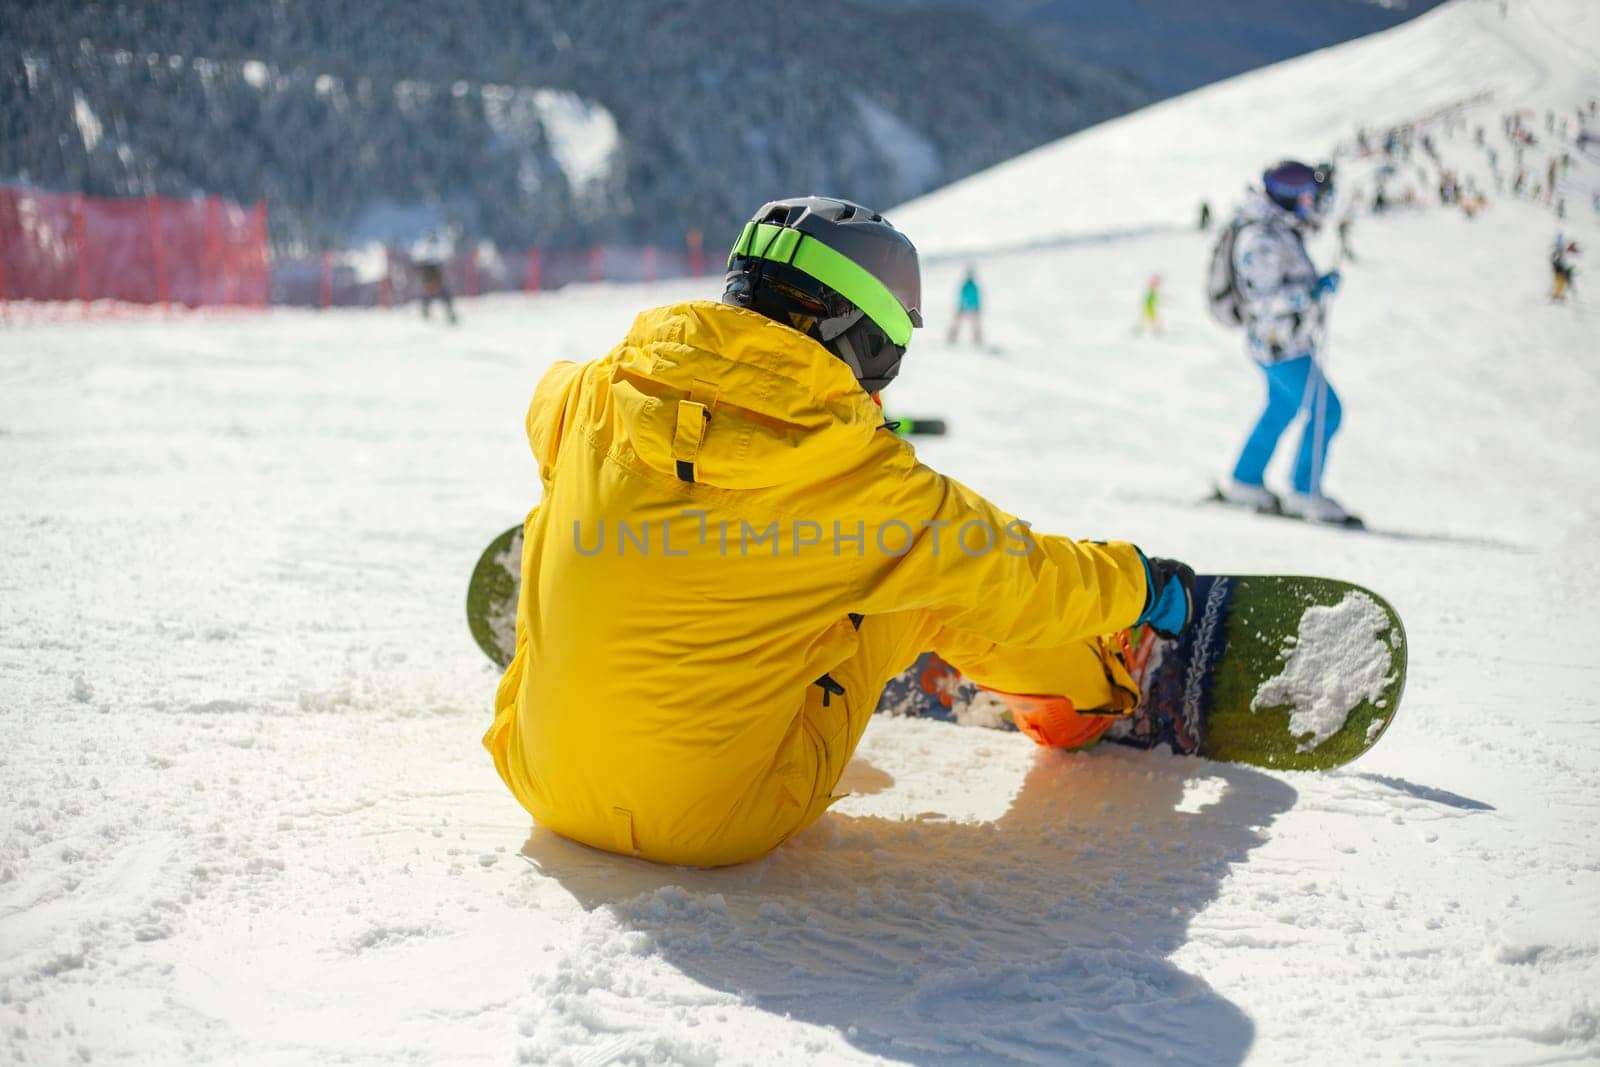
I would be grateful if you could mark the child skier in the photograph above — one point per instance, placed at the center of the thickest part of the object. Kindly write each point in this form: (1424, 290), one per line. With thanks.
(1561, 254)
(1150, 318)
(733, 554)
(1280, 297)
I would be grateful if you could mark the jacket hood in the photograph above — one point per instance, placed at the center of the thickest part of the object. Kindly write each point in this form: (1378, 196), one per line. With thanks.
(773, 404)
(1258, 207)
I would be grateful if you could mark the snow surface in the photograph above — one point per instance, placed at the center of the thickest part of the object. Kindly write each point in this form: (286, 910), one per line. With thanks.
(247, 817)
(582, 134)
(1337, 658)
(89, 127)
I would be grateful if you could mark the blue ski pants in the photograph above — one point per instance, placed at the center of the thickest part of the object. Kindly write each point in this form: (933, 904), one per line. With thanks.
(1292, 385)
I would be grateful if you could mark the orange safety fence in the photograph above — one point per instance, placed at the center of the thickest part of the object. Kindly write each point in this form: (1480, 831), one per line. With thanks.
(112, 255)
(201, 252)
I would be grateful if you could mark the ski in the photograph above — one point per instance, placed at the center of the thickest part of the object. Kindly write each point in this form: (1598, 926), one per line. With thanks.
(1349, 522)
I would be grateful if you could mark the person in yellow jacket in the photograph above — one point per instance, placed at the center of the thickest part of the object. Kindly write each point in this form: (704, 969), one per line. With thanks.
(733, 554)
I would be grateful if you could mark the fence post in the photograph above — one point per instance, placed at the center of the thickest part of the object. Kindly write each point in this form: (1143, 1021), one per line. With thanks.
(214, 288)
(472, 272)
(597, 263)
(697, 252)
(385, 287)
(262, 261)
(327, 279)
(81, 243)
(229, 249)
(649, 263)
(531, 280)
(159, 247)
(8, 199)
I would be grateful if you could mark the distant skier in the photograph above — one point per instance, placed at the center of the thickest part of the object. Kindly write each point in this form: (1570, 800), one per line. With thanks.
(1345, 251)
(1205, 215)
(694, 698)
(969, 308)
(1269, 285)
(1150, 315)
(429, 255)
(1561, 268)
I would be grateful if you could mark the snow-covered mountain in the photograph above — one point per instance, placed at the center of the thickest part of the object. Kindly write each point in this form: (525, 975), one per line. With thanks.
(247, 818)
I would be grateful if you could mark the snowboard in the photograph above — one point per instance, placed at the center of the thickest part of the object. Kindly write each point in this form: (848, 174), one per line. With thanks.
(1291, 673)
(492, 597)
(918, 427)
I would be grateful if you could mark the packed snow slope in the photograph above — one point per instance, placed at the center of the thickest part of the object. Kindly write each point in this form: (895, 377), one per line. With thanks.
(247, 818)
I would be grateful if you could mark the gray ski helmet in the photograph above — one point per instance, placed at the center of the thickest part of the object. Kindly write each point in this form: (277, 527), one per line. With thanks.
(836, 271)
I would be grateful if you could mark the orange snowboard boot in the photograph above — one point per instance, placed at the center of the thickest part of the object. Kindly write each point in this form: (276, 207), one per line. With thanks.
(1054, 721)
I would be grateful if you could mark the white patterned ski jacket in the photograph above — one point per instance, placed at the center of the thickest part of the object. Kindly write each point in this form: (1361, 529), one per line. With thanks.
(1276, 281)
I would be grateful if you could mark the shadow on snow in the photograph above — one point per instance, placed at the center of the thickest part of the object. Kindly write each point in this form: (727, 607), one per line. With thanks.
(1042, 936)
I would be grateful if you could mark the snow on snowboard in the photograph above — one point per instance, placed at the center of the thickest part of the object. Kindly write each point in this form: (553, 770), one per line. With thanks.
(1292, 673)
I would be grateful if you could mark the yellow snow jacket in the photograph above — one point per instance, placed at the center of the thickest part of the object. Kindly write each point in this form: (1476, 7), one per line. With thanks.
(719, 497)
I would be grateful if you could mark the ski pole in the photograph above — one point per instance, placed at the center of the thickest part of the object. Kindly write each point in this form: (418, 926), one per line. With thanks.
(1319, 362)
(1318, 416)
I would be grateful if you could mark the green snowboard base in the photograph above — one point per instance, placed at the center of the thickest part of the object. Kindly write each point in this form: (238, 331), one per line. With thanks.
(492, 597)
(1308, 672)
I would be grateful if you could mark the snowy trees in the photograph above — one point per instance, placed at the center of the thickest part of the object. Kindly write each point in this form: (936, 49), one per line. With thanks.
(366, 120)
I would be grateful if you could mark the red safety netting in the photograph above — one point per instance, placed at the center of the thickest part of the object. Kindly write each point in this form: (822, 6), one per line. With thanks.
(205, 252)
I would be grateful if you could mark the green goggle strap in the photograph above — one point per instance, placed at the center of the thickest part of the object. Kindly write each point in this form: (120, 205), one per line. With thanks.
(833, 269)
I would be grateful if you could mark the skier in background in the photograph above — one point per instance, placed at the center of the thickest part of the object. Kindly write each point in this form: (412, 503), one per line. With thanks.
(1280, 297)
(969, 308)
(1150, 316)
(1345, 251)
(1205, 215)
(710, 720)
(1561, 254)
(430, 255)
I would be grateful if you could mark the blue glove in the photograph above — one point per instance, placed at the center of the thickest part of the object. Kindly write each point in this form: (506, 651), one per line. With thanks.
(1169, 597)
(1326, 285)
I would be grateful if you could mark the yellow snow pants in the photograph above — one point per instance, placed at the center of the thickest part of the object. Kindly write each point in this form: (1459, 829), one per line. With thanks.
(756, 816)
